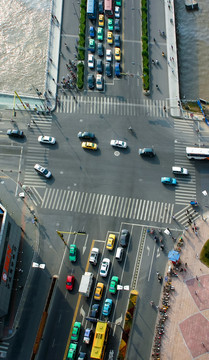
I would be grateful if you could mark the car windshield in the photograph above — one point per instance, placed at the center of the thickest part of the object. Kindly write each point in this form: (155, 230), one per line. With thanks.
(45, 171)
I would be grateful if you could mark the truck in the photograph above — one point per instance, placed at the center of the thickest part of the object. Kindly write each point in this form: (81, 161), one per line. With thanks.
(86, 284)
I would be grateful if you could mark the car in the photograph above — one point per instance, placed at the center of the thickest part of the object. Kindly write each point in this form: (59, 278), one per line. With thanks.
(99, 291)
(91, 46)
(113, 284)
(70, 282)
(118, 143)
(117, 69)
(91, 81)
(86, 135)
(108, 69)
(101, 20)
(117, 41)
(91, 32)
(99, 82)
(99, 66)
(118, 3)
(109, 55)
(111, 24)
(15, 133)
(94, 256)
(117, 12)
(104, 269)
(117, 25)
(100, 34)
(94, 312)
(110, 37)
(73, 252)
(101, 7)
(91, 61)
(82, 356)
(89, 145)
(124, 238)
(117, 54)
(149, 152)
(168, 180)
(110, 242)
(100, 49)
(72, 351)
(76, 331)
(107, 307)
(42, 171)
(88, 336)
(179, 170)
(47, 140)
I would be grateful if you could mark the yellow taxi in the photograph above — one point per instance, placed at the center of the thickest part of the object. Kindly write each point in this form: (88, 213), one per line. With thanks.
(110, 242)
(101, 20)
(117, 54)
(89, 145)
(110, 37)
(99, 291)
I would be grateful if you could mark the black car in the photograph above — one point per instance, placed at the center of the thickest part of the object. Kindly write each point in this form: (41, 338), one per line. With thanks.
(108, 69)
(95, 310)
(91, 81)
(82, 356)
(99, 66)
(101, 7)
(15, 133)
(147, 152)
(100, 49)
(117, 41)
(124, 238)
(86, 135)
(117, 25)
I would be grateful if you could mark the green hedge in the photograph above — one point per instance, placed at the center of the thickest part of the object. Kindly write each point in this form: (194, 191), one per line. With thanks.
(80, 75)
(145, 45)
(81, 45)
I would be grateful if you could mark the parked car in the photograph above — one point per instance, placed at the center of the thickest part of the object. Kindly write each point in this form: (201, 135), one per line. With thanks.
(177, 170)
(99, 82)
(86, 135)
(76, 331)
(101, 7)
(91, 46)
(15, 133)
(101, 20)
(100, 33)
(107, 307)
(124, 238)
(94, 256)
(119, 144)
(91, 61)
(47, 140)
(70, 282)
(110, 242)
(99, 66)
(111, 24)
(109, 55)
(117, 69)
(100, 49)
(72, 351)
(117, 25)
(117, 12)
(82, 356)
(117, 54)
(117, 41)
(110, 37)
(91, 81)
(91, 32)
(108, 69)
(88, 336)
(118, 3)
(104, 269)
(42, 171)
(168, 180)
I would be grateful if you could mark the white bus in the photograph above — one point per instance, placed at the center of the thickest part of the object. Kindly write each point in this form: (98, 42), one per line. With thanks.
(197, 153)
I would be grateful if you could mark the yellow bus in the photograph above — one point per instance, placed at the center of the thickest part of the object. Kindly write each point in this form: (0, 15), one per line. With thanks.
(100, 340)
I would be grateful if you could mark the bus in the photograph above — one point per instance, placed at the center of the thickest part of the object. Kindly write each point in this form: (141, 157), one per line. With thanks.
(108, 7)
(100, 341)
(197, 153)
(91, 9)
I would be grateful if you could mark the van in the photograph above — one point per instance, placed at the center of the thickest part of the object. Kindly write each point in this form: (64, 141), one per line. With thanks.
(119, 254)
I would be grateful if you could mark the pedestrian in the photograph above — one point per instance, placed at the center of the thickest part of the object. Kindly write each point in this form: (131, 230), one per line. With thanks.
(186, 228)
(195, 228)
(192, 229)
(53, 79)
(197, 278)
(169, 7)
(50, 59)
(187, 212)
(173, 217)
(195, 292)
(186, 264)
(49, 92)
(196, 233)
(172, 47)
(154, 40)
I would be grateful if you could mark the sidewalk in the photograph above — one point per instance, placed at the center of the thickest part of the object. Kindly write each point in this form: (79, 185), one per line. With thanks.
(187, 328)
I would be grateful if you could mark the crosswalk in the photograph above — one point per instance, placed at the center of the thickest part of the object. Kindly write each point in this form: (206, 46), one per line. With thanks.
(184, 135)
(3, 349)
(37, 153)
(112, 106)
(186, 213)
(107, 205)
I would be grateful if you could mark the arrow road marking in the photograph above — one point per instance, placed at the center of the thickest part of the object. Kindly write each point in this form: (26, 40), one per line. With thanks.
(148, 250)
(119, 320)
(82, 313)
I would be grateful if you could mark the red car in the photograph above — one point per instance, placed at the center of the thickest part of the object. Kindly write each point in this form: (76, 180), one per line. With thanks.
(70, 282)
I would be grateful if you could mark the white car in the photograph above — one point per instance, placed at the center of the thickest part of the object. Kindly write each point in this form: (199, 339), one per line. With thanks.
(47, 140)
(179, 170)
(118, 143)
(99, 82)
(109, 55)
(117, 12)
(94, 256)
(42, 171)
(91, 61)
(105, 267)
